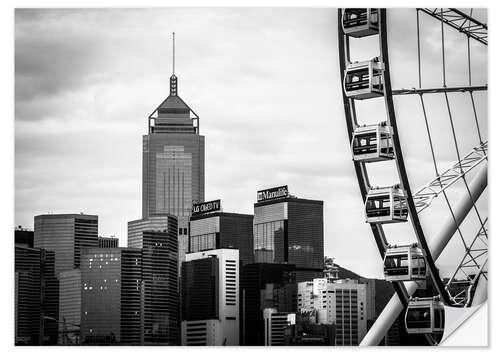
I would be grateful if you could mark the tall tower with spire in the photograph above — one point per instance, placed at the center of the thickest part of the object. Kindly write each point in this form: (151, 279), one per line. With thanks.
(173, 161)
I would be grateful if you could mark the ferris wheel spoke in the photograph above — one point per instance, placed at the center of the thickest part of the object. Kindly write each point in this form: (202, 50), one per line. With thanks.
(462, 89)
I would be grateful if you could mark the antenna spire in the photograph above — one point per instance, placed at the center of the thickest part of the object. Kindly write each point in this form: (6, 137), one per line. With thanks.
(173, 78)
(173, 52)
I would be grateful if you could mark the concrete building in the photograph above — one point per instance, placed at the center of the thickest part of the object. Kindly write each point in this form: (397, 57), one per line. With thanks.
(341, 302)
(289, 230)
(70, 303)
(36, 297)
(216, 230)
(173, 175)
(275, 325)
(210, 298)
(66, 235)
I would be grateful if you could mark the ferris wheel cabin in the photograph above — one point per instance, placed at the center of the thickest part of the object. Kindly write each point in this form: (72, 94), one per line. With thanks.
(363, 80)
(360, 22)
(424, 315)
(386, 205)
(404, 263)
(372, 143)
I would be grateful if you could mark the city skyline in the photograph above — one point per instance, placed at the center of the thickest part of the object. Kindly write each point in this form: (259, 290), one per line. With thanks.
(254, 102)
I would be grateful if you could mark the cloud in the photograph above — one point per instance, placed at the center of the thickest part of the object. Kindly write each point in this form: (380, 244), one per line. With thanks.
(265, 82)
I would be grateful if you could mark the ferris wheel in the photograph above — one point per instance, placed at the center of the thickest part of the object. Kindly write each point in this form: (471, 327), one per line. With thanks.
(375, 140)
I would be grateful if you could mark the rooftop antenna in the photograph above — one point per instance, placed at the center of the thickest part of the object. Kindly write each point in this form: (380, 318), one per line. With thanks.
(173, 78)
(173, 52)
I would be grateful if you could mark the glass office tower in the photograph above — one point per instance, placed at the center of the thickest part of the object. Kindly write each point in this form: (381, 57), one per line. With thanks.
(222, 230)
(36, 296)
(290, 230)
(67, 235)
(112, 296)
(173, 162)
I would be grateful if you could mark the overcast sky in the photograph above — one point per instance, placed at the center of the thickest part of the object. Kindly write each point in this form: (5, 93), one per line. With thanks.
(266, 85)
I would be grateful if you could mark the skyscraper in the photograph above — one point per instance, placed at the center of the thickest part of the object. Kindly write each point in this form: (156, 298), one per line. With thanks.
(112, 296)
(66, 235)
(130, 295)
(70, 304)
(210, 298)
(289, 230)
(160, 282)
(36, 297)
(173, 175)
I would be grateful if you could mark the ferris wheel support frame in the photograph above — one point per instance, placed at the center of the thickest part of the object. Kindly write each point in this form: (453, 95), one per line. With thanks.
(436, 246)
(481, 293)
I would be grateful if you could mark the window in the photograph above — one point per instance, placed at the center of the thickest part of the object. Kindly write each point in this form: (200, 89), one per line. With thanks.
(267, 237)
(203, 242)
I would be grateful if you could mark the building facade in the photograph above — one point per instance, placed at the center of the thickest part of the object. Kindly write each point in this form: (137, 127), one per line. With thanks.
(158, 238)
(112, 296)
(340, 302)
(108, 242)
(308, 332)
(36, 297)
(23, 237)
(275, 325)
(173, 175)
(289, 230)
(70, 303)
(66, 235)
(141, 284)
(222, 230)
(160, 284)
(210, 298)
(264, 285)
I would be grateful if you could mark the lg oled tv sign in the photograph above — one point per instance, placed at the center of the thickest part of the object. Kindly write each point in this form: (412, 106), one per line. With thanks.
(272, 193)
(205, 207)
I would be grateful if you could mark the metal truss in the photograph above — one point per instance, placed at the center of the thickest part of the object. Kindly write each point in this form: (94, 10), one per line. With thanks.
(424, 196)
(407, 91)
(461, 22)
(462, 283)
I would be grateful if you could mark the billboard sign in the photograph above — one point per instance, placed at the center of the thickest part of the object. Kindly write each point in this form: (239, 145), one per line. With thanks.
(272, 193)
(205, 207)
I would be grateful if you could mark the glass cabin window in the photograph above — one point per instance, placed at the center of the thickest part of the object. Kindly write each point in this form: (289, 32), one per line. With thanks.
(357, 79)
(378, 206)
(419, 317)
(397, 264)
(365, 143)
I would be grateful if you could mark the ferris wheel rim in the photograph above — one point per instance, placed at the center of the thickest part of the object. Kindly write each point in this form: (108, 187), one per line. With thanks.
(356, 92)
